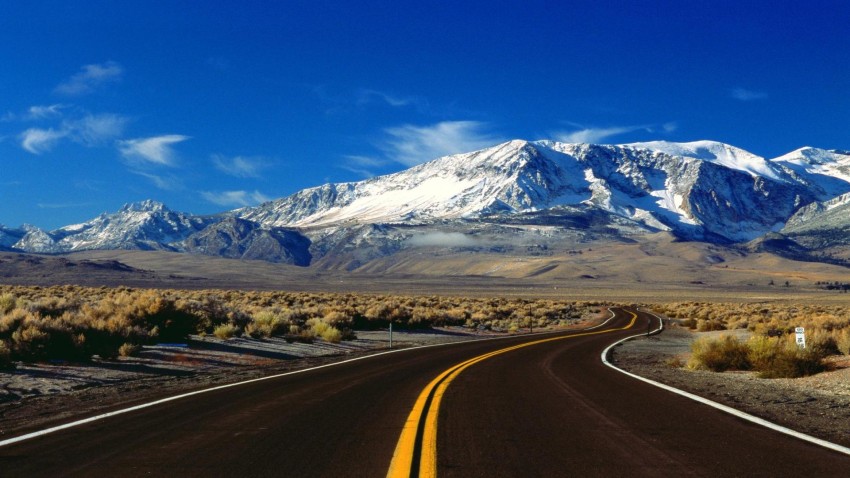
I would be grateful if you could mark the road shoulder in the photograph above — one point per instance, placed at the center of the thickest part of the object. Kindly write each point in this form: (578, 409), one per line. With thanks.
(812, 405)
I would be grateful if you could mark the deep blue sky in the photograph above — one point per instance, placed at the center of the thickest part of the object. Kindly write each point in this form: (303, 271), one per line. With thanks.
(212, 105)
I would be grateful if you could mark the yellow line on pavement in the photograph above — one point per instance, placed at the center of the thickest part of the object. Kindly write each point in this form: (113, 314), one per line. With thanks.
(427, 405)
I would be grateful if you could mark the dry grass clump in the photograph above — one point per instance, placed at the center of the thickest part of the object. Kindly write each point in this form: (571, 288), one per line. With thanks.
(772, 351)
(719, 354)
(76, 323)
(843, 341)
(226, 331)
(771, 357)
(824, 324)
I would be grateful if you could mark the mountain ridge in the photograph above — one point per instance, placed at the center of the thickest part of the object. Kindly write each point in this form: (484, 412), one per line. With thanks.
(702, 190)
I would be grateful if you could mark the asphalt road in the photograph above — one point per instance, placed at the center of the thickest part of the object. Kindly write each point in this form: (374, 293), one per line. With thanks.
(550, 409)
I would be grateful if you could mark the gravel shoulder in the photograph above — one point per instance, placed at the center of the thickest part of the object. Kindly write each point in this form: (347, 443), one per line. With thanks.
(818, 405)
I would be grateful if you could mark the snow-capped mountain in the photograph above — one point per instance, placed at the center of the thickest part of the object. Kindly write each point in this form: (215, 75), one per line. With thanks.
(701, 190)
(826, 172)
(822, 224)
(142, 225)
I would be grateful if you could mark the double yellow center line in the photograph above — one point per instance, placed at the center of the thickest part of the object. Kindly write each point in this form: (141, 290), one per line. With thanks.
(419, 434)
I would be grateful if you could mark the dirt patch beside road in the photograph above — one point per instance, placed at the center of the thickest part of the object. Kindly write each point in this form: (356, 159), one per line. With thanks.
(818, 405)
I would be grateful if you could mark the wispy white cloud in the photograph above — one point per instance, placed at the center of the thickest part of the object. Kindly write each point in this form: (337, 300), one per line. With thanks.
(240, 166)
(596, 135)
(39, 112)
(167, 183)
(156, 149)
(235, 198)
(743, 94)
(89, 78)
(93, 130)
(90, 130)
(411, 145)
(62, 205)
(370, 96)
(362, 165)
(37, 140)
(670, 126)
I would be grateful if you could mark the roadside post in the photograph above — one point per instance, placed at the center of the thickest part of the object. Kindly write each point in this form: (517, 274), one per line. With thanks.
(801, 337)
(391, 334)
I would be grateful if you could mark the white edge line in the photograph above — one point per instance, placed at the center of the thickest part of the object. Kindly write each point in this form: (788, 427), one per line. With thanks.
(719, 406)
(46, 431)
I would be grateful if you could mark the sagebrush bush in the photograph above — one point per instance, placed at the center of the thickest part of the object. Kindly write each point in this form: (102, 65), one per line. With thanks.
(843, 341)
(719, 354)
(129, 350)
(226, 331)
(7, 303)
(72, 322)
(777, 357)
(771, 357)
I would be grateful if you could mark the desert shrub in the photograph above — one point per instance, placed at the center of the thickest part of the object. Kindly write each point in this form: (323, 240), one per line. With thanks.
(267, 324)
(320, 328)
(789, 361)
(763, 350)
(128, 349)
(719, 354)
(710, 325)
(226, 331)
(332, 335)
(823, 343)
(843, 341)
(73, 321)
(7, 303)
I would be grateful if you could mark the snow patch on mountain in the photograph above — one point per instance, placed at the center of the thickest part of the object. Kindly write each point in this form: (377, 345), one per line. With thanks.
(717, 153)
(825, 171)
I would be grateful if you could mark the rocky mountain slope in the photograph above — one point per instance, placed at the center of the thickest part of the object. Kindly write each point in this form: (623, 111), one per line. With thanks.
(515, 194)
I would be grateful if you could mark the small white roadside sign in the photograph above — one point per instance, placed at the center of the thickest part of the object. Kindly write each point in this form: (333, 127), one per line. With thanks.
(801, 337)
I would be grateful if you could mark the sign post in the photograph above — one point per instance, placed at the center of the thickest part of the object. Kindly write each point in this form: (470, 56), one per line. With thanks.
(391, 334)
(801, 337)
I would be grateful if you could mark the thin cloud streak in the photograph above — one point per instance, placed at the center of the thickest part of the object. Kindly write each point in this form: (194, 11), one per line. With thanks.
(598, 135)
(362, 165)
(155, 150)
(165, 183)
(39, 112)
(411, 145)
(235, 198)
(240, 166)
(370, 96)
(743, 94)
(93, 130)
(90, 131)
(62, 205)
(38, 141)
(90, 78)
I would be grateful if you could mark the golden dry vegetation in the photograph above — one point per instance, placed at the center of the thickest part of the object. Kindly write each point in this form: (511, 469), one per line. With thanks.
(75, 323)
(771, 350)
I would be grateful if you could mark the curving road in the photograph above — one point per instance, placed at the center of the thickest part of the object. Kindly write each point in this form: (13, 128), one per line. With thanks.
(548, 409)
